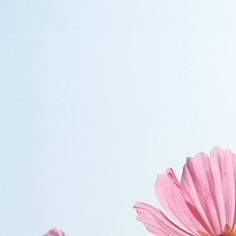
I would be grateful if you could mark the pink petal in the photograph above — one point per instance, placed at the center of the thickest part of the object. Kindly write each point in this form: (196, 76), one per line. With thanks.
(223, 166)
(209, 185)
(204, 201)
(170, 196)
(171, 174)
(55, 232)
(197, 187)
(156, 222)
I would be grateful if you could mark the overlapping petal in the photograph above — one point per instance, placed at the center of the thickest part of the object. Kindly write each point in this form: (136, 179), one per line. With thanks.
(156, 222)
(170, 196)
(203, 203)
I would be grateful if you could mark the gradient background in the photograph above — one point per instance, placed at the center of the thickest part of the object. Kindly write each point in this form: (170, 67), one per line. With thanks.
(97, 97)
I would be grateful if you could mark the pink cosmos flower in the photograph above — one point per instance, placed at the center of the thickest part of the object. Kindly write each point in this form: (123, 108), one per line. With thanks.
(203, 203)
(55, 232)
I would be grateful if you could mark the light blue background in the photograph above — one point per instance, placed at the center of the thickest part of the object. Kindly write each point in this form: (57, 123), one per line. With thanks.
(97, 97)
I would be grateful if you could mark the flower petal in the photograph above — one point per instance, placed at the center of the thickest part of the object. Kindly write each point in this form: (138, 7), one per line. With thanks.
(209, 184)
(170, 196)
(223, 164)
(156, 222)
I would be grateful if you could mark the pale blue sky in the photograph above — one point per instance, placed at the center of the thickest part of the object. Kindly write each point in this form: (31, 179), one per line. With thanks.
(97, 97)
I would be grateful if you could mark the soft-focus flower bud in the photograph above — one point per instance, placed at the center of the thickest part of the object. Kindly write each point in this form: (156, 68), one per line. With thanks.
(55, 232)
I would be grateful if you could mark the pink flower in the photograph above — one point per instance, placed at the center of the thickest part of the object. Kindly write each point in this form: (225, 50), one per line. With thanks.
(203, 203)
(55, 232)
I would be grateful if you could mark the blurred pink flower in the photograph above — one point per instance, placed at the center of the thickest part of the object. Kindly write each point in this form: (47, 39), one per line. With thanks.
(203, 203)
(55, 232)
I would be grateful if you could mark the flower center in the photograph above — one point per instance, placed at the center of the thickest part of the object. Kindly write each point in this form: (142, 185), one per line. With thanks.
(227, 232)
